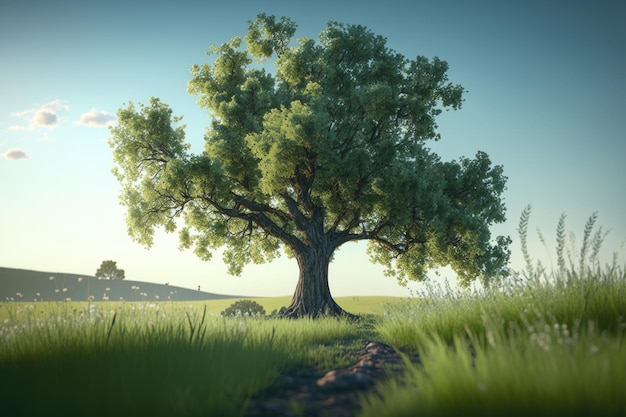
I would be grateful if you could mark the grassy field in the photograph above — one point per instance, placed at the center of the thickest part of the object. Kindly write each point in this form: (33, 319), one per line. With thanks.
(542, 349)
(19, 310)
(538, 344)
(161, 358)
(541, 343)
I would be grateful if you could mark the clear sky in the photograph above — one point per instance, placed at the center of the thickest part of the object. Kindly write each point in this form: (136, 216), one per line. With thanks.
(546, 88)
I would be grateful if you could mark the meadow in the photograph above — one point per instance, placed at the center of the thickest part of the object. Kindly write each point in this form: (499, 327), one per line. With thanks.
(555, 349)
(543, 341)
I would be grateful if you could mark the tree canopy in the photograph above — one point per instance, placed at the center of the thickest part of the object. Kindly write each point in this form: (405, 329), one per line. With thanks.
(325, 145)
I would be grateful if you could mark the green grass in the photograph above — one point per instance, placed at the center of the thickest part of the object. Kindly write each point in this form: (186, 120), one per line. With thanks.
(18, 310)
(355, 305)
(544, 351)
(599, 297)
(160, 358)
(155, 361)
(551, 371)
(541, 344)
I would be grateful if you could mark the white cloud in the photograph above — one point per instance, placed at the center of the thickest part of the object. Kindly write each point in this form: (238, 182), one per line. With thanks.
(15, 154)
(96, 118)
(46, 116)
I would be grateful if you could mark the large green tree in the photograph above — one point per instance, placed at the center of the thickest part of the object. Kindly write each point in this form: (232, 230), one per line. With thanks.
(327, 147)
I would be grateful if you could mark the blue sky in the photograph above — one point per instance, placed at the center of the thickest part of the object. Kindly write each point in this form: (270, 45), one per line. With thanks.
(545, 99)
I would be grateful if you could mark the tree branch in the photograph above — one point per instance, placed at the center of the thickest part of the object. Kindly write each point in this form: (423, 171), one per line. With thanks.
(253, 206)
(298, 217)
(258, 214)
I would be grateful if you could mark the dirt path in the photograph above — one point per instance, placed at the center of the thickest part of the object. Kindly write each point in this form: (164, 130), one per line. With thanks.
(336, 393)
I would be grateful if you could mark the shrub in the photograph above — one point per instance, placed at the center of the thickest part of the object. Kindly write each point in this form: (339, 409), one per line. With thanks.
(244, 308)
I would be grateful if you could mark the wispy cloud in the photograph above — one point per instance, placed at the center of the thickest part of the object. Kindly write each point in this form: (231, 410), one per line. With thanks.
(46, 116)
(96, 118)
(15, 154)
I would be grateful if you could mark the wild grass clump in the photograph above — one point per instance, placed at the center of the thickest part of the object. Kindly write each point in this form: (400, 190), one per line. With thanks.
(541, 370)
(153, 360)
(545, 343)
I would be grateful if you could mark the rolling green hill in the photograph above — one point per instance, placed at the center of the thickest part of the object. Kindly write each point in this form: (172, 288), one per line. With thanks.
(26, 285)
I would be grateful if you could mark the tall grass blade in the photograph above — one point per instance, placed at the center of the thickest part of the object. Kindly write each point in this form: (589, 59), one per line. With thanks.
(111, 326)
(202, 329)
(192, 327)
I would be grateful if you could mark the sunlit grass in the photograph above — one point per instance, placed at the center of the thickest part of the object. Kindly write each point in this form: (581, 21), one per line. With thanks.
(542, 343)
(600, 298)
(543, 369)
(21, 310)
(154, 360)
(161, 357)
(542, 351)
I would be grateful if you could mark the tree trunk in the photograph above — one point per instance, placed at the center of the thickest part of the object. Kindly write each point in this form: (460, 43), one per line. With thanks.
(312, 296)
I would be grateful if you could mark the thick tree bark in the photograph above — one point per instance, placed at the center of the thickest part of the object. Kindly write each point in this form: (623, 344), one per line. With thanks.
(312, 296)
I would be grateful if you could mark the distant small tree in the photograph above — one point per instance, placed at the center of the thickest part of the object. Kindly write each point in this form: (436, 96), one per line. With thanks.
(109, 270)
